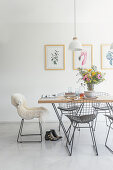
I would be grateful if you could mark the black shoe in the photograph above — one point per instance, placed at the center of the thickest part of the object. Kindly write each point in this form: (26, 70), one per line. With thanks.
(55, 134)
(49, 136)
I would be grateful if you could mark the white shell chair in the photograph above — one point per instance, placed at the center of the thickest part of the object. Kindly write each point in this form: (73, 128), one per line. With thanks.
(26, 113)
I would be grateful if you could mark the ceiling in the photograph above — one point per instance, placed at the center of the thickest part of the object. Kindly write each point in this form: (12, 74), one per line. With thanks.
(55, 10)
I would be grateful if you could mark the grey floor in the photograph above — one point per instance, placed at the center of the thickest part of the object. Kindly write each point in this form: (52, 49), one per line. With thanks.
(53, 155)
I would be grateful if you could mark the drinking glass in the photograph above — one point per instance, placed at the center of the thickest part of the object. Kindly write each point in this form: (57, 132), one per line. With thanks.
(77, 92)
(69, 89)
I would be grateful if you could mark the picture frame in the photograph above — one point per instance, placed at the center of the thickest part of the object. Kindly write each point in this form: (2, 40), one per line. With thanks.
(83, 59)
(54, 57)
(106, 57)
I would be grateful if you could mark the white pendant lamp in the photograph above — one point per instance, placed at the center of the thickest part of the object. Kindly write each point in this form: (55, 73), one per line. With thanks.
(75, 45)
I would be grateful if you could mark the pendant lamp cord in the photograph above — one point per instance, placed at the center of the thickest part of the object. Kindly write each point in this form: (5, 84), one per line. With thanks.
(75, 18)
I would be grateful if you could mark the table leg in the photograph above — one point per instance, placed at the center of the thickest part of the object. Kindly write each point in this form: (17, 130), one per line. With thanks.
(60, 120)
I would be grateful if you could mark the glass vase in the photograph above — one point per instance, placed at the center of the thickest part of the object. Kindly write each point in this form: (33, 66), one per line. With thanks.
(90, 87)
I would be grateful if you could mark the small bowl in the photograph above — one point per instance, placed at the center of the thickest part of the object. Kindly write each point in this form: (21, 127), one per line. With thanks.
(89, 94)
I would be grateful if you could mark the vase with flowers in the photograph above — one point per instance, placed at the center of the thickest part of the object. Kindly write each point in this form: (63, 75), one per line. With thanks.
(91, 77)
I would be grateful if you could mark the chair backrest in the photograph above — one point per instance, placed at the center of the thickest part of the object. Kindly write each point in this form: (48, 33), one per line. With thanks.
(101, 94)
(18, 99)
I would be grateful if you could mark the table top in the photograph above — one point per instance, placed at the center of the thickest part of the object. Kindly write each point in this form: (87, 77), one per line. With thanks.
(61, 99)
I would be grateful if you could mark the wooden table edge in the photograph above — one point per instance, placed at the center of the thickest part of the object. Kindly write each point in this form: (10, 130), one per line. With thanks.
(76, 101)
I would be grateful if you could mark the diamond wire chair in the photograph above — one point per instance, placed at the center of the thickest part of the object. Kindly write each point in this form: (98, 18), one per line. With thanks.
(86, 116)
(110, 118)
(102, 107)
(68, 108)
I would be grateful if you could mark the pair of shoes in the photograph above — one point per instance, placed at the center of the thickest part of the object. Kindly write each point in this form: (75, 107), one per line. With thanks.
(49, 136)
(55, 134)
(52, 135)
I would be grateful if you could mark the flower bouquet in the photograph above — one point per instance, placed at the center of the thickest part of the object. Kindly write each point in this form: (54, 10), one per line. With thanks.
(91, 76)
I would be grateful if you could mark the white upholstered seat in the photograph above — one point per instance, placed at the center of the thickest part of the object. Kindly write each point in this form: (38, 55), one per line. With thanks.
(27, 113)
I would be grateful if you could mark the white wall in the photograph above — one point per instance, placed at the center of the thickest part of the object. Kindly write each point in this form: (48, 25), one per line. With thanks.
(22, 52)
(56, 10)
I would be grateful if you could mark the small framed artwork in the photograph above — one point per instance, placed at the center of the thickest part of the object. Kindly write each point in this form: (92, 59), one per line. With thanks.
(84, 58)
(106, 57)
(54, 57)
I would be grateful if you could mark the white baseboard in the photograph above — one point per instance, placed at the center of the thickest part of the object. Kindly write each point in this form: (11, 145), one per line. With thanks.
(29, 121)
(3, 122)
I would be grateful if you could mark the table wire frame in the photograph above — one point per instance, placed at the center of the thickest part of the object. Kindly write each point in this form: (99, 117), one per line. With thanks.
(84, 119)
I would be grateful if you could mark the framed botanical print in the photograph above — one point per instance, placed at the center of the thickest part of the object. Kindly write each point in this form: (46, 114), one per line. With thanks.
(84, 58)
(106, 57)
(54, 57)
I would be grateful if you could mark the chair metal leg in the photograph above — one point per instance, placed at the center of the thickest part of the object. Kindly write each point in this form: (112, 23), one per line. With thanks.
(110, 111)
(20, 131)
(40, 126)
(78, 128)
(93, 138)
(21, 127)
(91, 135)
(107, 139)
(106, 119)
(95, 122)
(70, 139)
(21, 135)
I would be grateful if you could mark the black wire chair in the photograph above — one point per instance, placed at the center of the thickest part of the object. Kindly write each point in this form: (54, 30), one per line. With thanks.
(104, 108)
(68, 108)
(110, 118)
(86, 115)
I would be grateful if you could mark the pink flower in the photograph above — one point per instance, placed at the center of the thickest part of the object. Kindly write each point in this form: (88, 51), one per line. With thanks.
(99, 76)
(88, 79)
(84, 77)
